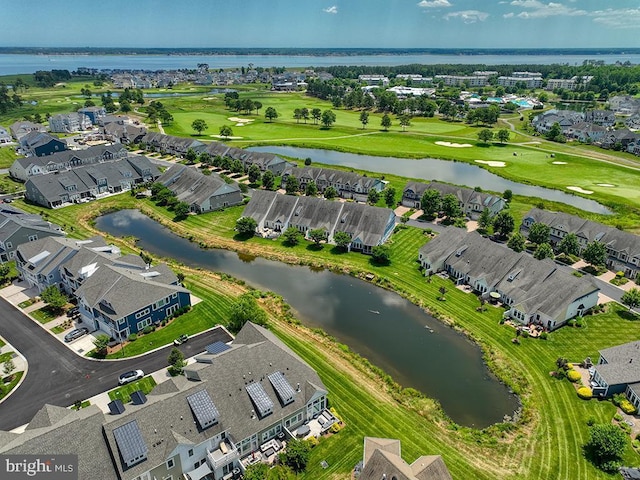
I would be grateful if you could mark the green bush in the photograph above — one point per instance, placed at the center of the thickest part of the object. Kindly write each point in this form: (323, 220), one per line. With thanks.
(617, 417)
(133, 337)
(148, 329)
(591, 421)
(573, 376)
(585, 393)
(313, 442)
(618, 398)
(544, 336)
(627, 407)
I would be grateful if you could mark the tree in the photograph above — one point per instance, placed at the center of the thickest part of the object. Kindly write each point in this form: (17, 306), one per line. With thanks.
(516, 242)
(268, 180)
(291, 236)
(318, 235)
(631, 298)
(125, 106)
(373, 196)
(503, 224)
(226, 131)
(297, 454)
(176, 361)
(297, 114)
(451, 206)
(316, 114)
(254, 173)
(555, 133)
(381, 254)
(181, 209)
(8, 368)
(328, 118)
(569, 245)
(484, 222)
(246, 226)
(385, 122)
(485, 135)
(292, 186)
(305, 114)
(270, 114)
(539, 233)
(54, 298)
(199, 125)
(257, 471)
(330, 193)
(595, 253)
(507, 195)
(342, 240)
(246, 309)
(503, 135)
(605, 446)
(5, 269)
(430, 202)
(405, 121)
(389, 196)
(311, 190)
(543, 251)
(257, 105)
(101, 342)
(364, 119)
(191, 156)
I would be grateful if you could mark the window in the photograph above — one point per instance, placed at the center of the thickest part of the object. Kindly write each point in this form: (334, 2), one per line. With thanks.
(142, 313)
(144, 323)
(9, 245)
(191, 452)
(170, 463)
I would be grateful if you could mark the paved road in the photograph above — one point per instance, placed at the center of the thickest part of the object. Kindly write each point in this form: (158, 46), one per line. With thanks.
(58, 376)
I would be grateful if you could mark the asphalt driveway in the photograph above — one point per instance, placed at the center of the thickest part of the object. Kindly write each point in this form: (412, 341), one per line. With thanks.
(58, 376)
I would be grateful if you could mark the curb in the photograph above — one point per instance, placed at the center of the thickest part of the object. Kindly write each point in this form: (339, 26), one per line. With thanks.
(24, 374)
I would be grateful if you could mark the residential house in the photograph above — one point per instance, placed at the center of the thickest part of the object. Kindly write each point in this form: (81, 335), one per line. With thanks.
(125, 134)
(39, 144)
(209, 424)
(619, 139)
(624, 104)
(122, 301)
(471, 203)
(568, 83)
(168, 144)
(203, 193)
(18, 227)
(94, 113)
(623, 248)
(374, 80)
(368, 226)
(414, 78)
(565, 118)
(5, 136)
(349, 185)
(88, 182)
(382, 459)
(461, 80)
(536, 291)
(265, 161)
(632, 122)
(618, 371)
(23, 168)
(530, 80)
(21, 128)
(38, 262)
(69, 122)
(586, 132)
(604, 118)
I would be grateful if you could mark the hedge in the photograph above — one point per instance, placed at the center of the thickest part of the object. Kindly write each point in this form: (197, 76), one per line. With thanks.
(585, 393)
(627, 407)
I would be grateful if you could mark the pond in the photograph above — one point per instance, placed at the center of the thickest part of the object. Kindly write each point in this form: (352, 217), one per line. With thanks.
(414, 348)
(459, 173)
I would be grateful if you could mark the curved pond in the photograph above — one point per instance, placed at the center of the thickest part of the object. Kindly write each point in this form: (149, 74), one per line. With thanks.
(414, 348)
(459, 173)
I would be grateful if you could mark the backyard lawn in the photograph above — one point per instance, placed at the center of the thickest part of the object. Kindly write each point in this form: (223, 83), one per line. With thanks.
(124, 392)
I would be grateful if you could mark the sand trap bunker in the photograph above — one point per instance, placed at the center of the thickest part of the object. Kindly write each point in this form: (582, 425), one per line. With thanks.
(605, 185)
(226, 138)
(240, 120)
(559, 163)
(580, 190)
(454, 145)
(208, 98)
(492, 163)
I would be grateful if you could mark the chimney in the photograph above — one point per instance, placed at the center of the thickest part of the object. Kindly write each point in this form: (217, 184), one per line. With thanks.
(298, 387)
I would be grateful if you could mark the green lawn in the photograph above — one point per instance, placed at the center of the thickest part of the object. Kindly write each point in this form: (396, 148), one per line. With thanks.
(7, 156)
(123, 393)
(44, 315)
(11, 385)
(58, 329)
(6, 356)
(8, 185)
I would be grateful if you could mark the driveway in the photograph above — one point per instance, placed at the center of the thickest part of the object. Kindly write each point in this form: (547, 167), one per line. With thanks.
(59, 377)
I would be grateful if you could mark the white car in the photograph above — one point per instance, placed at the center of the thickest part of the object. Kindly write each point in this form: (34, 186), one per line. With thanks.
(129, 377)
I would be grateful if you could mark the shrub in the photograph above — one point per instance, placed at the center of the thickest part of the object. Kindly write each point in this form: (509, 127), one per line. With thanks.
(591, 421)
(544, 336)
(585, 393)
(313, 442)
(133, 337)
(579, 323)
(617, 417)
(618, 398)
(573, 376)
(627, 407)
(525, 334)
(147, 329)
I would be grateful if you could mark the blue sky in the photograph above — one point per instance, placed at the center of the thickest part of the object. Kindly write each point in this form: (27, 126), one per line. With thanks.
(322, 23)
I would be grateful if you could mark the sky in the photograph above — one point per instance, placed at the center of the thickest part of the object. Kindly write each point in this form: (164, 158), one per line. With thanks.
(322, 23)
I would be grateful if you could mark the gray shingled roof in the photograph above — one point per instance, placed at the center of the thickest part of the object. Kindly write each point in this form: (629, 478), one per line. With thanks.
(192, 186)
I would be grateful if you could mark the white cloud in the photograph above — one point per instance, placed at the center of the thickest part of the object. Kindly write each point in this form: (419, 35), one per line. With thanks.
(468, 16)
(333, 9)
(509, 15)
(616, 18)
(434, 3)
(537, 9)
(622, 18)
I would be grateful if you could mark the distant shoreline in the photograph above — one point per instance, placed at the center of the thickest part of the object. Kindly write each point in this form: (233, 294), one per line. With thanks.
(320, 52)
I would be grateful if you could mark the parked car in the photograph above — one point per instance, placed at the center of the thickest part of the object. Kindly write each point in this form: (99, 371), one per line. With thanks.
(73, 311)
(75, 334)
(130, 376)
(181, 339)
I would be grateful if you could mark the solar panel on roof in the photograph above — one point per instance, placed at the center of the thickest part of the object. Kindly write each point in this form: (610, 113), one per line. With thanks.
(203, 408)
(217, 347)
(130, 443)
(282, 387)
(116, 407)
(138, 397)
(260, 398)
